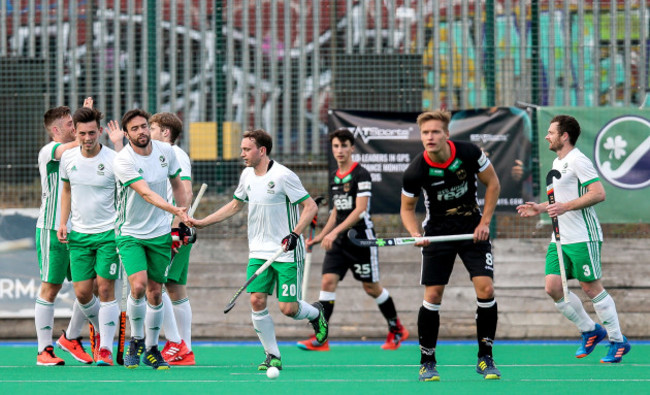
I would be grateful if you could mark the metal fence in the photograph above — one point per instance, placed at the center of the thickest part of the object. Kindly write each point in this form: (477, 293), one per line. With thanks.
(225, 66)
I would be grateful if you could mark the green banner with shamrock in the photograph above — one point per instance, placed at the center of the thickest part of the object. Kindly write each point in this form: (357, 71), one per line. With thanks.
(617, 140)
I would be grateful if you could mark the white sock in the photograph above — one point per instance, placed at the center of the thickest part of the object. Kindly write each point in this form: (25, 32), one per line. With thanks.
(77, 321)
(109, 321)
(136, 310)
(606, 311)
(576, 313)
(305, 310)
(91, 311)
(183, 313)
(263, 324)
(383, 296)
(327, 296)
(44, 322)
(169, 320)
(152, 323)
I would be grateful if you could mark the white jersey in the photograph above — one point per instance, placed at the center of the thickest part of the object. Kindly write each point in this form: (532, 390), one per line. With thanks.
(136, 217)
(186, 171)
(49, 214)
(92, 187)
(576, 226)
(272, 210)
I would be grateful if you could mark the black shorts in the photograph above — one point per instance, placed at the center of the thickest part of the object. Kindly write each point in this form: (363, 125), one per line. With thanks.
(438, 260)
(344, 255)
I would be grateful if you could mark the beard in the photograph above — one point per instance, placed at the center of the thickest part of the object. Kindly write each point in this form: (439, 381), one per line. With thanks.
(145, 141)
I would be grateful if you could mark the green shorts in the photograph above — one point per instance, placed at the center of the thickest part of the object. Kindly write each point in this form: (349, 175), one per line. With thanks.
(93, 254)
(581, 260)
(282, 276)
(153, 255)
(53, 257)
(180, 265)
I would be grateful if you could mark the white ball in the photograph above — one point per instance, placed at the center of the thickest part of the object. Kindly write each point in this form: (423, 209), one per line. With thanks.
(272, 373)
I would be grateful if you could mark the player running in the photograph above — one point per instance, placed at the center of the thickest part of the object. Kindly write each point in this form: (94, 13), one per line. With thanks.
(142, 170)
(273, 193)
(577, 192)
(350, 191)
(447, 173)
(89, 194)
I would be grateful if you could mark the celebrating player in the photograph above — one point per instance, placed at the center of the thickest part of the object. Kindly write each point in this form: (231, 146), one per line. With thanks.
(447, 172)
(273, 193)
(350, 191)
(167, 127)
(89, 194)
(144, 231)
(53, 257)
(577, 192)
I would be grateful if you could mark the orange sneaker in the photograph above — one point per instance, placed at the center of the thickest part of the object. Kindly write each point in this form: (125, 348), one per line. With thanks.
(173, 351)
(104, 357)
(312, 344)
(395, 337)
(185, 360)
(47, 358)
(75, 348)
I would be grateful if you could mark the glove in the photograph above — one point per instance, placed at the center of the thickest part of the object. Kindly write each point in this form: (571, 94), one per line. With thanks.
(188, 232)
(176, 234)
(290, 241)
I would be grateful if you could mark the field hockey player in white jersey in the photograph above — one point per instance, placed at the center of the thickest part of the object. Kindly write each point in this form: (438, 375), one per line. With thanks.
(177, 322)
(89, 195)
(273, 193)
(577, 191)
(143, 237)
(53, 257)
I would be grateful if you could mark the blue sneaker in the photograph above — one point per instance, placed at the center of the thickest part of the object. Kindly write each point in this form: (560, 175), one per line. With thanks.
(152, 357)
(590, 340)
(428, 372)
(486, 367)
(616, 351)
(132, 356)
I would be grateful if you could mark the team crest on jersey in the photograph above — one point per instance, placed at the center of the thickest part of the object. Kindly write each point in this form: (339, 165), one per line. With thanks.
(100, 169)
(163, 161)
(622, 152)
(346, 187)
(270, 187)
(461, 174)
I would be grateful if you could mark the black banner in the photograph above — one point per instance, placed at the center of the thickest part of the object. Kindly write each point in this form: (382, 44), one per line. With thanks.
(386, 143)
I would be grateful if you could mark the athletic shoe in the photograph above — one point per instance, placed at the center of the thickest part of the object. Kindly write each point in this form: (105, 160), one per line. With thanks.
(271, 360)
(104, 357)
(590, 340)
(132, 356)
(154, 358)
(428, 372)
(320, 324)
(616, 351)
(486, 367)
(185, 360)
(172, 350)
(312, 344)
(47, 358)
(395, 337)
(75, 348)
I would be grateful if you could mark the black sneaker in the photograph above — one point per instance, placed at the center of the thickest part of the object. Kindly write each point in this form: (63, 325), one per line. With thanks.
(486, 367)
(271, 360)
(132, 356)
(154, 358)
(320, 324)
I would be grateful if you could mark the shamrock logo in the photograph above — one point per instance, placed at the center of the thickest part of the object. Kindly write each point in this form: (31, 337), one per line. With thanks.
(615, 146)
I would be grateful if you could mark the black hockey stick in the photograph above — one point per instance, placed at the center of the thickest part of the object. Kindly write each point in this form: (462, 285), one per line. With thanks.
(550, 193)
(398, 241)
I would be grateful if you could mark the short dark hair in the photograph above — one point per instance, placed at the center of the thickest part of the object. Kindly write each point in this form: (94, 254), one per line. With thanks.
(261, 138)
(343, 134)
(568, 124)
(168, 120)
(437, 115)
(132, 114)
(53, 114)
(85, 114)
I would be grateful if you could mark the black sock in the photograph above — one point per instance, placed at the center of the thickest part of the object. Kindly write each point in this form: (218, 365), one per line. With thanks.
(328, 308)
(388, 310)
(428, 326)
(486, 326)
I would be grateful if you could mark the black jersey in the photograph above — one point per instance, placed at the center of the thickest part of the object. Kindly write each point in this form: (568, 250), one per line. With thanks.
(449, 188)
(344, 189)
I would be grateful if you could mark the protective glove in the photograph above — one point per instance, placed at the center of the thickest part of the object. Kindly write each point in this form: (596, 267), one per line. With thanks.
(290, 241)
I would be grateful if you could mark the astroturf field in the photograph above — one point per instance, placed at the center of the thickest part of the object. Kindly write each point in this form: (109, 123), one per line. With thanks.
(349, 368)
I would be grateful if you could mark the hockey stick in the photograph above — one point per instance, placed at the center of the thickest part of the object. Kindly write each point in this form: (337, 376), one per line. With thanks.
(259, 271)
(122, 334)
(399, 241)
(194, 206)
(312, 232)
(550, 193)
